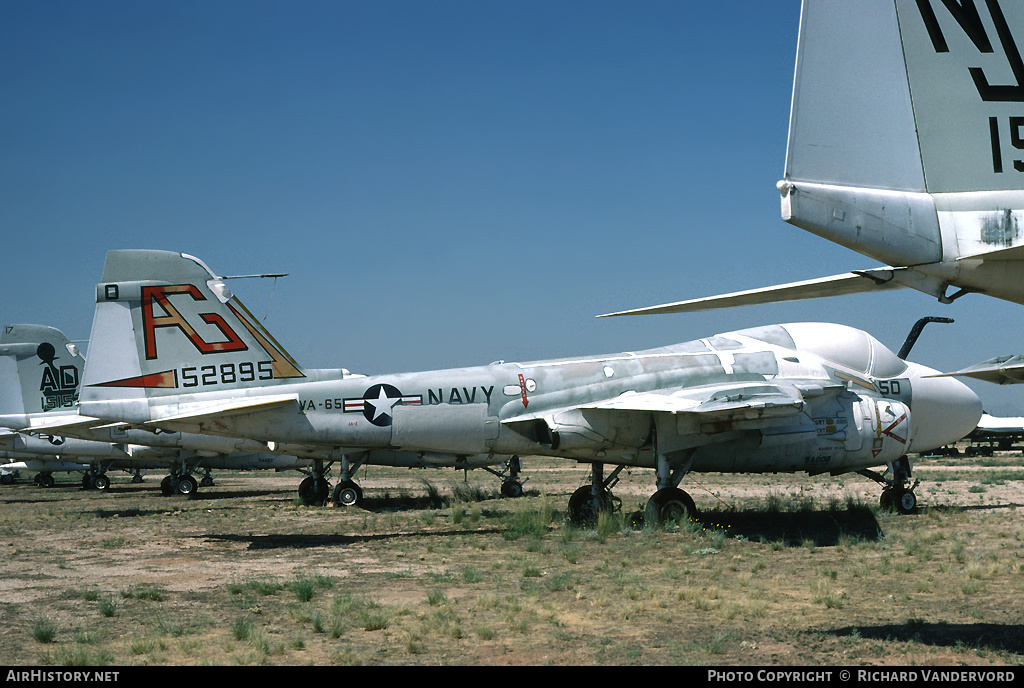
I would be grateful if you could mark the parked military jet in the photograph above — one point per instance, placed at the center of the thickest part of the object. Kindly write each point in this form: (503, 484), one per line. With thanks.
(996, 431)
(48, 454)
(172, 348)
(39, 390)
(918, 158)
(44, 468)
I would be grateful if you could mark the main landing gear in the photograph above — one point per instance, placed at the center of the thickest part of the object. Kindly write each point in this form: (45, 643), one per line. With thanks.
(179, 483)
(44, 479)
(897, 491)
(667, 504)
(587, 502)
(315, 488)
(95, 480)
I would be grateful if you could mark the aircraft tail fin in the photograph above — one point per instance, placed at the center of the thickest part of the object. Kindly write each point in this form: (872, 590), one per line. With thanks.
(895, 101)
(906, 144)
(40, 370)
(165, 324)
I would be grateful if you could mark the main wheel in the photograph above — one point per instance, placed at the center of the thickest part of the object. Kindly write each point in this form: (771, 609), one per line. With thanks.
(670, 504)
(187, 485)
(347, 493)
(313, 491)
(584, 507)
(100, 482)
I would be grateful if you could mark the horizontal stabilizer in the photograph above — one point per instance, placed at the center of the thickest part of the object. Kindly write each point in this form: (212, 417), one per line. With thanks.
(1012, 253)
(837, 285)
(211, 412)
(1003, 370)
(59, 425)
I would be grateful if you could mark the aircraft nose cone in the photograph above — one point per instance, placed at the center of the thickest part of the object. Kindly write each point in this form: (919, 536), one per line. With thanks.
(944, 410)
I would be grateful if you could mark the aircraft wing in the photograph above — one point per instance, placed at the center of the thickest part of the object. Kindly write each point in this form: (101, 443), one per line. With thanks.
(746, 400)
(856, 282)
(716, 403)
(1003, 370)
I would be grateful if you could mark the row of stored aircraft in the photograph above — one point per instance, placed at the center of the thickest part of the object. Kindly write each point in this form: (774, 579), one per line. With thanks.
(916, 165)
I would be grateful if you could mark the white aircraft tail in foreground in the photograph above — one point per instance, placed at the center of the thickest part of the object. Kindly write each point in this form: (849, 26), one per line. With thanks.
(906, 144)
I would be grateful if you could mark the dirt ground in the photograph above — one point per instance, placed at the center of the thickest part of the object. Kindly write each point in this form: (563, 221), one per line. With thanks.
(437, 568)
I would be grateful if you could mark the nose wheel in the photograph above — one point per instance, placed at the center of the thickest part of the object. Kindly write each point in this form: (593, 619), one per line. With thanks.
(897, 491)
(898, 499)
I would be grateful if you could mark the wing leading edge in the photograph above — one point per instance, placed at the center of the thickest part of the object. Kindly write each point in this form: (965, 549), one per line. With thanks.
(858, 282)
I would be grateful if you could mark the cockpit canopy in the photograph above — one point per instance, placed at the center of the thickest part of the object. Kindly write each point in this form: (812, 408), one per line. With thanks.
(840, 344)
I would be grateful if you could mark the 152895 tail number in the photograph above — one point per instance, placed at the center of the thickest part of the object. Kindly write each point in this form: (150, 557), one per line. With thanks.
(226, 373)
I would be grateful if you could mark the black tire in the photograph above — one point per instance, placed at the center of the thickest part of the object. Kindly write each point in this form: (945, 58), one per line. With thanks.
(306, 490)
(512, 489)
(314, 491)
(668, 505)
(584, 508)
(100, 482)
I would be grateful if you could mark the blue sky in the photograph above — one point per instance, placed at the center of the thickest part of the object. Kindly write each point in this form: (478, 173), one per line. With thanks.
(447, 183)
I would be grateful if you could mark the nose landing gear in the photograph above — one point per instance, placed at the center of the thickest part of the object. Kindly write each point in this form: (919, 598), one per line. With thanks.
(897, 491)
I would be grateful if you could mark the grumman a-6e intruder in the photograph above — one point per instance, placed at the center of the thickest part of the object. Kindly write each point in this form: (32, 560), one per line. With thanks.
(171, 347)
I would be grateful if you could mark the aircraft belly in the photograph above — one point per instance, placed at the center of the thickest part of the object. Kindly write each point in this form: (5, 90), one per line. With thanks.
(748, 456)
(254, 461)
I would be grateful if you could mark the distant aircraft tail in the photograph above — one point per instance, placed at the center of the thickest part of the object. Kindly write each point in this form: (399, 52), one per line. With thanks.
(166, 324)
(906, 144)
(40, 370)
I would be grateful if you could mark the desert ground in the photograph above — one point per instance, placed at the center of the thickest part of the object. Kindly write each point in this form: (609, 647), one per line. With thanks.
(436, 568)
